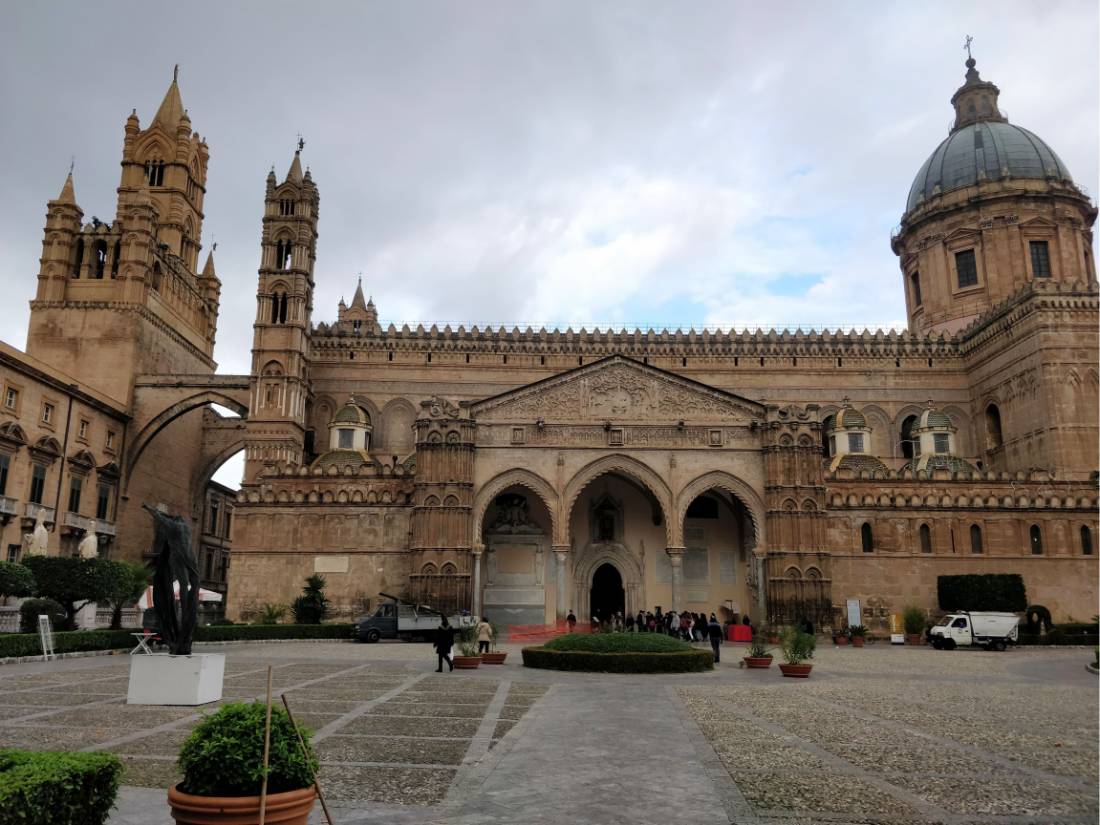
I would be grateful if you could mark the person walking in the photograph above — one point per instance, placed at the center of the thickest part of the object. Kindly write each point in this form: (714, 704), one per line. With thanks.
(685, 627)
(641, 621)
(571, 620)
(484, 634)
(714, 631)
(444, 641)
(629, 622)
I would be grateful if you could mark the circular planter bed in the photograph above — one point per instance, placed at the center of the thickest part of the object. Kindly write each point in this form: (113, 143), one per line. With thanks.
(795, 671)
(618, 653)
(493, 658)
(758, 661)
(286, 808)
(467, 662)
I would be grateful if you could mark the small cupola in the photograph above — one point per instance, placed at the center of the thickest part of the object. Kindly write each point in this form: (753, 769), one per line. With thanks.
(350, 428)
(933, 438)
(849, 441)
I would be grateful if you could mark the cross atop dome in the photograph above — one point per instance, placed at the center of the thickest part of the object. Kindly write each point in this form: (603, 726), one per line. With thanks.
(976, 99)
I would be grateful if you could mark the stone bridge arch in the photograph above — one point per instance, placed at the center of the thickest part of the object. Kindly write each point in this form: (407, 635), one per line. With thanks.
(160, 400)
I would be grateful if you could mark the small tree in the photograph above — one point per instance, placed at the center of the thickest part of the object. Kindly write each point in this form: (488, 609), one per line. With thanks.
(312, 605)
(126, 581)
(15, 580)
(70, 581)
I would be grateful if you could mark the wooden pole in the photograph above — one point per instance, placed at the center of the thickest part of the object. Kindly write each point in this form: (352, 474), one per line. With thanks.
(267, 751)
(305, 753)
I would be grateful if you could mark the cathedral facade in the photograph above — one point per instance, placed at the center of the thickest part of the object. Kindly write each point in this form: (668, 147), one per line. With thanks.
(522, 473)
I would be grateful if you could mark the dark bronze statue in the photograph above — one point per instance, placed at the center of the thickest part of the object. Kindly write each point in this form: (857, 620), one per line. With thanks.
(174, 561)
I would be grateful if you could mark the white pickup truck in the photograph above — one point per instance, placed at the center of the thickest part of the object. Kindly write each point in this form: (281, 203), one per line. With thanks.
(993, 631)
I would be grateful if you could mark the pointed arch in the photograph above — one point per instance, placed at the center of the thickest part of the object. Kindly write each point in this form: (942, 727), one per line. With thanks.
(637, 471)
(517, 477)
(749, 498)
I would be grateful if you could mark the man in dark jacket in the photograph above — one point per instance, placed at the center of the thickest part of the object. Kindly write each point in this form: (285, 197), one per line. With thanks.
(714, 631)
(444, 641)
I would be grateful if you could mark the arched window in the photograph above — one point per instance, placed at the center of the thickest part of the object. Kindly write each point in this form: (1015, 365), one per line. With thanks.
(154, 172)
(428, 569)
(993, 433)
(867, 537)
(975, 539)
(284, 255)
(1086, 540)
(156, 276)
(99, 259)
(114, 259)
(910, 448)
(79, 259)
(827, 445)
(448, 569)
(1036, 540)
(925, 539)
(278, 307)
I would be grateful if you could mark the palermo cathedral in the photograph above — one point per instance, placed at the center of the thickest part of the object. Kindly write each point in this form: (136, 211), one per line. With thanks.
(524, 473)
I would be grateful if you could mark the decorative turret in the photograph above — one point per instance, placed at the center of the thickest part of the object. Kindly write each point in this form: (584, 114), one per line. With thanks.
(361, 318)
(933, 438)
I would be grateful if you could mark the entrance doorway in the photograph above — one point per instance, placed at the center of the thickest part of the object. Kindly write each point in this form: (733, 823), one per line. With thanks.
(607, 596)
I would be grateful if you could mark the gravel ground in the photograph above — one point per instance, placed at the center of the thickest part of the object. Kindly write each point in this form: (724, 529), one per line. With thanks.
(915, 735)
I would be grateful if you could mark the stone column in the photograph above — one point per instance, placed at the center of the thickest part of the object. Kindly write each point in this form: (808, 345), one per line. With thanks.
(676, 559)
(475, 560)
(561, 558)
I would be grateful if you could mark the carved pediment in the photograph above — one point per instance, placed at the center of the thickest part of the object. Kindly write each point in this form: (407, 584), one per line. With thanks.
(619, 390)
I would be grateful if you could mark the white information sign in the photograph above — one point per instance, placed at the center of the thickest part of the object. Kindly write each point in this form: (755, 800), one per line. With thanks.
(855, 616)
(45, 635)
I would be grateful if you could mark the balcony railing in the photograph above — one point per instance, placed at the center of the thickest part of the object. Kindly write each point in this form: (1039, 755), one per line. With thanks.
(76, 521)
(38, 511)
(8, 506)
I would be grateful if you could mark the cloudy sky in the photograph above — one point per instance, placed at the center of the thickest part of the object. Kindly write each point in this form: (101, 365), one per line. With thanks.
(639, 163)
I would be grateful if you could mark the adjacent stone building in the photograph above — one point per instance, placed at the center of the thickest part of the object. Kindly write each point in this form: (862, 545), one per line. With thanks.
(523, 473)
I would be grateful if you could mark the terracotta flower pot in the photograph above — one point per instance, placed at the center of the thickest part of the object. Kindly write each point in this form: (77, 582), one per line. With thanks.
(286, 808)
(773, 640)
(840, 640)
(467, 662)
(493, 658)
(914, 639)
(758, 661)
(795, 671)
(857, 641)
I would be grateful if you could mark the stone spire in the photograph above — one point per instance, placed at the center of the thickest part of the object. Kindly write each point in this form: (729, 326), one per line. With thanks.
(68, 195)
(358, 301)
(171, 112)
(295, 173)
(208, 267)
(976, 99)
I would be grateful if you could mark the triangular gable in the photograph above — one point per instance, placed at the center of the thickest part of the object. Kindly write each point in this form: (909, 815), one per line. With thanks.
(620, 390)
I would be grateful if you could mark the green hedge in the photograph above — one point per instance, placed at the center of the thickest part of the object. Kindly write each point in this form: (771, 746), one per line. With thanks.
(1003, 592)
(71, 641)
(618, 643)
(27, 644)
(1063, 634)
(246, 632)
(689, 661)
(48, 788)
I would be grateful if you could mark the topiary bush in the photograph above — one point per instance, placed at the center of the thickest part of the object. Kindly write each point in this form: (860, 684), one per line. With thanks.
(913, 618)
(312, 606)
(618, 643)
(15, 580)
(223, 756)
(999, 592)
(53, 788)
(246, 632)
(31, 609)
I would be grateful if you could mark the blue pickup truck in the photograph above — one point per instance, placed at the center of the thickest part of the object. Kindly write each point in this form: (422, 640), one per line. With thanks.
(396, 619)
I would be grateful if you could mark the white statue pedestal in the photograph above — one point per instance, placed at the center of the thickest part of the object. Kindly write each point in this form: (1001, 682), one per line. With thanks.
(162, 679)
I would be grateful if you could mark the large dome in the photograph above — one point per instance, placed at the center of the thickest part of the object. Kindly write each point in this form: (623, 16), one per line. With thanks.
(987, 150)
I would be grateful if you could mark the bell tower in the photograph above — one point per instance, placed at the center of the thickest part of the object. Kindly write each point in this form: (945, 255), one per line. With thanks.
(124, 298)
(281, 332)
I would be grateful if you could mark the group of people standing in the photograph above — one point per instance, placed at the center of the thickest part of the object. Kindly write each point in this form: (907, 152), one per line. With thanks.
(685, 625)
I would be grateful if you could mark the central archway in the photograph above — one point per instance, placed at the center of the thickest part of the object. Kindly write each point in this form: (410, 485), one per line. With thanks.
(607, 596)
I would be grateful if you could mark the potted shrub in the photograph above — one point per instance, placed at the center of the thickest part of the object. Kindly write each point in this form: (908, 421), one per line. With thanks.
(913, 618)
(468, 657)
(222, 766)
(841, 637)
(859, 632)
(758, 654)
(771, 633)
(494, 657)
(797, 647)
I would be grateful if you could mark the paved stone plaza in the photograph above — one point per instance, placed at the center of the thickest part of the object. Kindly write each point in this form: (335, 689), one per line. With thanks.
(890, 735)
